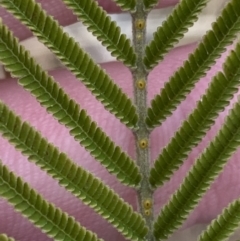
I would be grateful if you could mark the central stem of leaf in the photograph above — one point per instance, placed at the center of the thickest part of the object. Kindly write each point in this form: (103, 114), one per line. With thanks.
(145, 192)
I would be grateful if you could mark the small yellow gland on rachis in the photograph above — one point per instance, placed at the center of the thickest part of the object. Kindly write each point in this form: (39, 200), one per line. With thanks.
(147, 203)
(147, 212)
(141, 84)
(140, 24)
(143, 143)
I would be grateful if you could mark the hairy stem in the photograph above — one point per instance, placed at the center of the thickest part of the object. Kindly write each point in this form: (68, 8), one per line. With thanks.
(145, 192)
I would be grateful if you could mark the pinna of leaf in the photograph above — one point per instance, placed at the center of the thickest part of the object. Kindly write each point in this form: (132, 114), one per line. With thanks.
(133, 114)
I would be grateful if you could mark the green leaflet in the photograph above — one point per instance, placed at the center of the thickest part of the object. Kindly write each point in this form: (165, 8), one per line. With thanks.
(51, 220)
(149, 4)
(69, 52)
(4, 237)
(65, 110)
(207, 167)
(172, 30)
(223, 32)
(221, 228)
(217, 97)
(75, 179)
(126, 5)
(106, 31)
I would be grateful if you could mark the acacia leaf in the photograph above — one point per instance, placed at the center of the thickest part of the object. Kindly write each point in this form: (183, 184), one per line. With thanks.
(149, 4)
(48, 93)
(213, 44)
(218, 95)
(4, 237)
(51, 220)
(82, 184)
(205, 170)
(106, 31)
(172, 29)
(48, 31)
(126, 5)
(224, 225)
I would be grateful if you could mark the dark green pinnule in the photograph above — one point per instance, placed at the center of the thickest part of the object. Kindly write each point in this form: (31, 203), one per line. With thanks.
(224, 225)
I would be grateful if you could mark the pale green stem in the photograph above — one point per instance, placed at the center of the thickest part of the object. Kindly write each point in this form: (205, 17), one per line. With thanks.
(145, 192)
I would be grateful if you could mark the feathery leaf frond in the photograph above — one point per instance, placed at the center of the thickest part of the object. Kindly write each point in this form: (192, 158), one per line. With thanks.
(19, 63)
(75, 179)
(51, 220)
(206, 168)
(149, 4)
(217, 97)
(126, 5)
(221, 228)
(106, 31)
(223, 32)
(172, 30)
(69, 52)
(4, 237)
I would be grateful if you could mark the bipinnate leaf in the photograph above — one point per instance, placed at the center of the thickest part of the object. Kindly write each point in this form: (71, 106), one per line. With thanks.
(172, 30)
(206, 168)
(75, 179)
(51, 220)
(69, 52)
(192, 130)
(4, 237)
(223, 32)
(126, 5)
(106, 31)
(149, 4)
(20, 64)
(225, 225)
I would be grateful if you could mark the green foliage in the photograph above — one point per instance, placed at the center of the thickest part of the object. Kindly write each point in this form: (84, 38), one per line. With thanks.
(221, 228)
(65, 110)
(172, 30)
(84, 185)
(207, 167)
(149, 4)
(69, 52)
(106, 31)
(76, 180)
(218, 95)
(4, 237)
(52, 221)
(213, 44)
(126, 5)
